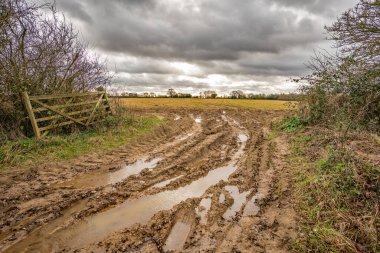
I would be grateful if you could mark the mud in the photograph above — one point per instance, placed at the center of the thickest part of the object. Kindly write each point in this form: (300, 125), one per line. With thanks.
(208, 181)
(102, 178)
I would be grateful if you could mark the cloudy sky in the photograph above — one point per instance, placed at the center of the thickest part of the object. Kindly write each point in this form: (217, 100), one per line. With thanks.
(194, 45)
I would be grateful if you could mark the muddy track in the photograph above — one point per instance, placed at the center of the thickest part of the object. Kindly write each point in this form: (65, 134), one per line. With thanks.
(209, 181)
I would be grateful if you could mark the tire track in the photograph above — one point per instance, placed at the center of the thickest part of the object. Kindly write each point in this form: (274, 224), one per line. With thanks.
(194, 214)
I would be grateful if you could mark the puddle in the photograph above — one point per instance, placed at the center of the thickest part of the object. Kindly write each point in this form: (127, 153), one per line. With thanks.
(202, 210)
(243, 137)
(239, 199)
(177, 117)
(177, 236)
(132, 169)
(31, 243)
(251, 208)
(97, 227)
(100, 179)
(222, 198)
(198, 119)
(165, 183)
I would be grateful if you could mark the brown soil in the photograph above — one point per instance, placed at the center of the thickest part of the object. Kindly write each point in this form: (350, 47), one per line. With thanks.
(209, 181)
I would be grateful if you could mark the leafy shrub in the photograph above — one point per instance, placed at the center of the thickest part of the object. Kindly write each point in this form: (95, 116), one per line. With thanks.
(291, 124)
(344, 89)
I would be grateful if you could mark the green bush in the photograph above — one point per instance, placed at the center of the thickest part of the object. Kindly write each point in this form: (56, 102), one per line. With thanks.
(343, 90)
(291, 124)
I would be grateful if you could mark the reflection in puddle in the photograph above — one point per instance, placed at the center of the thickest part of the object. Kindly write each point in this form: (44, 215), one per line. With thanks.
(165, 183)
(132, 169)
(202, 210)
(98, 226)
(95, 228)
(177, 236)
(97, 179)
(243, 137)
(198, 119)
(239, 199)
(251, 208)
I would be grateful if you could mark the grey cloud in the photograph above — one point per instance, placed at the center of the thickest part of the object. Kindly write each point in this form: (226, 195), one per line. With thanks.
(212, 30)
(76, 10)
(157, 82)
(161, 83)
(325, 7)
(250, 38)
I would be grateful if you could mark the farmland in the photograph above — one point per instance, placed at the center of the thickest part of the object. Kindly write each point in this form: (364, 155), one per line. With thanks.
(191, 175)
(195, 103)
(101, 160)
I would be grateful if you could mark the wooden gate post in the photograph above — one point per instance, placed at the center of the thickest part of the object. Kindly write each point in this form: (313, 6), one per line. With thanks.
(29, 109)
(108, 102)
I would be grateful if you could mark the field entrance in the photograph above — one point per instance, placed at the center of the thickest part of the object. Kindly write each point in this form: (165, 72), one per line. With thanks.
(48, 112)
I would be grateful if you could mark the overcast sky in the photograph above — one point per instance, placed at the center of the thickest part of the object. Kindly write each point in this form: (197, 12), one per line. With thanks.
(194, 45)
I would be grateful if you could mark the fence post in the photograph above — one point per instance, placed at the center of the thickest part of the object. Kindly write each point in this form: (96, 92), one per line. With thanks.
(29, 109)
(94, 110)
(108, 102)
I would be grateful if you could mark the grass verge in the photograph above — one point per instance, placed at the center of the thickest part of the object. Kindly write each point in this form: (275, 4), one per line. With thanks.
(337, 194)
(116, 132)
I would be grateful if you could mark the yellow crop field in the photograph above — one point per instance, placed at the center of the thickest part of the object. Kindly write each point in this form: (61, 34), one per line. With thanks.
(196, 103)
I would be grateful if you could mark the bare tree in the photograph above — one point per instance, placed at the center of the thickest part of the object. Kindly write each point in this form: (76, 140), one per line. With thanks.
(357, 32)
(42, 55)
(344, 88)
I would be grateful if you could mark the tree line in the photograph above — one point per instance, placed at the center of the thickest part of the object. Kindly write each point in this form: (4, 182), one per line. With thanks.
(171, 93)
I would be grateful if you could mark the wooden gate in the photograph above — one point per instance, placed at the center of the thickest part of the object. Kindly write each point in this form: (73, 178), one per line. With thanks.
(47, 112)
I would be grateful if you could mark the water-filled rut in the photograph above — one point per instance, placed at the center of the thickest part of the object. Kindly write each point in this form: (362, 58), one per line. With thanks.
(95, 228)
(186, 192)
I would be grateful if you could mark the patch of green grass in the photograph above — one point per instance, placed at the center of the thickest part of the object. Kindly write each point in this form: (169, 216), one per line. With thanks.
(116, 132)
(298, 143)
(316, 240)
(335, 194)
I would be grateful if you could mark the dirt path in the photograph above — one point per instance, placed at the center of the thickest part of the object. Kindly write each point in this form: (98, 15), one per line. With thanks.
(209, 181)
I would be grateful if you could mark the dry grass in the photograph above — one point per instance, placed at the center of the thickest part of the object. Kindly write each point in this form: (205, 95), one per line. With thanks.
(195, 103)
(337, 194)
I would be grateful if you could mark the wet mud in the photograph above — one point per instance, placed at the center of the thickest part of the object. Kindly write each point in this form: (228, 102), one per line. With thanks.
(208, 181)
